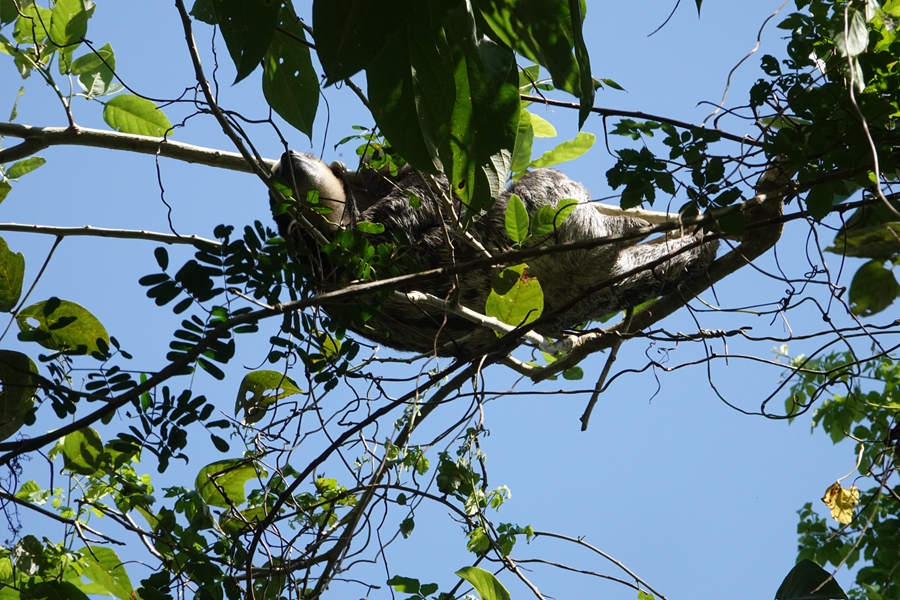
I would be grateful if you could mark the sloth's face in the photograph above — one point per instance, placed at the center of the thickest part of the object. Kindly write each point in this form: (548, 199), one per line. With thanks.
(305, 173)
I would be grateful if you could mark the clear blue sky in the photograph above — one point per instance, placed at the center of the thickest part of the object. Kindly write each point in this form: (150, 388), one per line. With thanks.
(696, 498)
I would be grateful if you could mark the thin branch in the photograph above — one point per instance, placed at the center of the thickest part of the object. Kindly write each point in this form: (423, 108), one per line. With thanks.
(126, 234)
(40, 138)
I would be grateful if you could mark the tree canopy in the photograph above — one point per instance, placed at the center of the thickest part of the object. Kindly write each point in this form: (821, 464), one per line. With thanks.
(130, 472)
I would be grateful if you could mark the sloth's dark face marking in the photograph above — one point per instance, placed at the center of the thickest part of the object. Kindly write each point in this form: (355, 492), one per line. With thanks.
(374, 196)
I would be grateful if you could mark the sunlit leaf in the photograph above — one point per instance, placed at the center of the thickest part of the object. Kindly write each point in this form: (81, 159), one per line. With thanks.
(261, 389)
(133, 114)
(516, 297)
(82, 451)
(63, 326)
(516, 219)
(222, 483)
(841, 502)
(566, 151)
(23, 167)
(103, 566)
(485, 583)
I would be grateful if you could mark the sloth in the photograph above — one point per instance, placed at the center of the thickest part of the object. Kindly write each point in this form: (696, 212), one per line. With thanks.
(424, 238)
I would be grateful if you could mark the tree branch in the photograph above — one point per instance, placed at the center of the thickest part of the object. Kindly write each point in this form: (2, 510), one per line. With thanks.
(126, 234)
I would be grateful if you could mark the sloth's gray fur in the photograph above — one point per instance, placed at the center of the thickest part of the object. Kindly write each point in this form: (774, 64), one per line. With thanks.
(373, 196)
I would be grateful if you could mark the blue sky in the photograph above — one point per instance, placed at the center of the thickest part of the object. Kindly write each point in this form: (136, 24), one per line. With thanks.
(696, 498)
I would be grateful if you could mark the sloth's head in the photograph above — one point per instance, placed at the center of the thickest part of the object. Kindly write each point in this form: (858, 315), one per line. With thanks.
(304, 173)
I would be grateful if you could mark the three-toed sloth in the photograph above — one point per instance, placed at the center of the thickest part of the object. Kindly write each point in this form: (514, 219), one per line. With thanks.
(425, 239)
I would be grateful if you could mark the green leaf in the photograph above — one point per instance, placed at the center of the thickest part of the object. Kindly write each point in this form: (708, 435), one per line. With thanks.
(103, 566)
(358, 32)
(248, 27)
(133, 114)
(873, 289)
(521, 156)
(63, 326)
(229, 476)
(82, 452)
(484, 582)
(95, 72)
(857, 39)
(566, 151)
(407, 526)
(542, 127)
(17, 393)
(54, 590)
(68, 26)
(290, 83)
(516, 298)
(233, 525)
(12, 274)
(261, 389)
(547, 219)
(8, 12)
(516, 219)
(23, 167)
(5, 189)
(404, 585)
(373, 228)
(204, 12)
(575, 373)
(33, 25)
(805, 577)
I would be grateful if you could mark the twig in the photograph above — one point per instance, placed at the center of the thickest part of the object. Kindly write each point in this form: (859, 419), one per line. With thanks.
(91, 231)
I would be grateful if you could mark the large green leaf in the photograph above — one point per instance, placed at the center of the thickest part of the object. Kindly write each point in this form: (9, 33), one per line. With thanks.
(68, 26)
(411, 92)
(516, 297)
(484, 582)
(63, 326)
(18, 388)
(133, 114)
(261, 389)
(873, 289)
(805, 577)
(289, 83)
(516, 220)
(12, 274)
(352, 33)
(54, 590)
(222, 483)
(82, 451)
(248, 27)
(103, 566)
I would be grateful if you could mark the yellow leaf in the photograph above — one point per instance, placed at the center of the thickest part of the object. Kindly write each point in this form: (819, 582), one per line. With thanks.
(841, 502)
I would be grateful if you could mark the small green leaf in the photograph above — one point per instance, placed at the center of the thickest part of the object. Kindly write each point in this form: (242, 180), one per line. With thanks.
(404, 585)
(407, 526)
(261, 389)
(82, 451)
(63, 326)
(373, 228)
(516, 220)
(566, 151)
(484, 582)
(12, 274)
(547, 219)
(95, 71)
(133, 114)
(23, 167)
(17, 393)
(575, 373)
(542, 127)
(516, 297)
(229, 476)
(5, 189)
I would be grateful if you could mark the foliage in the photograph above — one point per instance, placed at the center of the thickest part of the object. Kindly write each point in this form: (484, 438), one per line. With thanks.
(324, 448)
